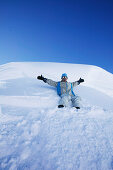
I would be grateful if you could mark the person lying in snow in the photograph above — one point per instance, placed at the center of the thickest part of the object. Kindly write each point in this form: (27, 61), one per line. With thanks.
(65, 90)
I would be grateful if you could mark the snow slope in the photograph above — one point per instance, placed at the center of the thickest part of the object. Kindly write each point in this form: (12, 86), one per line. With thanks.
(36, 135)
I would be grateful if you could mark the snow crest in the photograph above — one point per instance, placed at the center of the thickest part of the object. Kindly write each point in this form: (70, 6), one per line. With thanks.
(35, 134)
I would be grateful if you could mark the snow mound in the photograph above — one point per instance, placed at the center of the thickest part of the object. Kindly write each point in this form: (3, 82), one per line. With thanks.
(35, 134)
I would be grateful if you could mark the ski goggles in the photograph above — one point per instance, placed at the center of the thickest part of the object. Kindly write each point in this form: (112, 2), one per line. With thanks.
(64, 77)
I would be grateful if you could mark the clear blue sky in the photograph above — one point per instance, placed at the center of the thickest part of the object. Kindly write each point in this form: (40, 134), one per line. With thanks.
(69, 31)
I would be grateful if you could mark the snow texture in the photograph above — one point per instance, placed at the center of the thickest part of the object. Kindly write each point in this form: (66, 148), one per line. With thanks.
(36, 135)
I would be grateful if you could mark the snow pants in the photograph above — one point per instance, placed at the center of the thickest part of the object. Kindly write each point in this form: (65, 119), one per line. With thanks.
(66, 99)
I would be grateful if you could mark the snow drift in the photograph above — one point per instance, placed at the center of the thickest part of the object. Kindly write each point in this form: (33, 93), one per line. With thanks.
(35, 134)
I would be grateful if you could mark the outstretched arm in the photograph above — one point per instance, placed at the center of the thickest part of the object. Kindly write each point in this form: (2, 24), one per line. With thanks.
(49, 81)
(78, 82)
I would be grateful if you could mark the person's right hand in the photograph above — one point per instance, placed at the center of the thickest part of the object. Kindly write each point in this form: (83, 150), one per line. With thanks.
(40, 77)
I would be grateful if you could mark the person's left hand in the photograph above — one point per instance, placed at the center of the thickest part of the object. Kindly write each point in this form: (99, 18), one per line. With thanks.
(81, 80)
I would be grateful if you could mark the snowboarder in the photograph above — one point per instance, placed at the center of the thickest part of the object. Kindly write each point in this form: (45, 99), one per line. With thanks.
(65, 90)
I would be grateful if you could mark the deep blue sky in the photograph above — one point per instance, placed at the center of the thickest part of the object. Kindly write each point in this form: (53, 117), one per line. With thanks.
(69, 31)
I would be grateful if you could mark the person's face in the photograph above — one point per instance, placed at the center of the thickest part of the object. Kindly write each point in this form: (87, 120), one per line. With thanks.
(64, 78)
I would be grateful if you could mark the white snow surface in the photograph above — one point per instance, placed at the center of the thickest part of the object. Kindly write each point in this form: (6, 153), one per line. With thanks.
(36, 135)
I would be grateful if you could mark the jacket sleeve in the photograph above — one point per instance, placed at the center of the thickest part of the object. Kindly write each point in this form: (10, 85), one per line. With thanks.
(51, 82)
(75, 83)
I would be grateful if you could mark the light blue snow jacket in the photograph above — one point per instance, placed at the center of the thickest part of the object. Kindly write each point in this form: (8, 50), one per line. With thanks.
(63, 87)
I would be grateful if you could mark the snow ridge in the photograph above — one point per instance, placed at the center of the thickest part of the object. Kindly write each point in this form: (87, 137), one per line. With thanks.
(35, 134)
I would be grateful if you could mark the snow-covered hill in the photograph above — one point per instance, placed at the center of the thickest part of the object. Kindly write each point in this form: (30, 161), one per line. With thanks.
(36, 135)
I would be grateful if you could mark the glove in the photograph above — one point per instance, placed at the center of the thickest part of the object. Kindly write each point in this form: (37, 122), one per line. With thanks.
(42, 78)
(80, 80)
